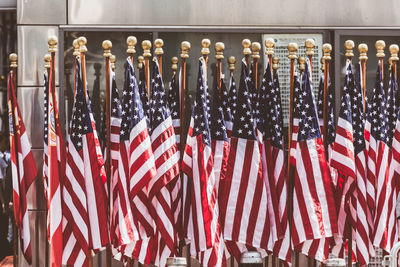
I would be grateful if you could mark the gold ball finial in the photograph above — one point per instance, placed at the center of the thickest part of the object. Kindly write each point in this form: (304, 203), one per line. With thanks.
(363, 49)
(275, 62)
(231, 62)
(302, 63)
(107, 45)
(13, 60)
(349, 45)
(219, 50)
(246, 43)
(158, 44)
(174, 65)
(327, 49)
(394, 50)
(47, 59)
(380, 48)
(292, 47)
(113, 59)
(269, 44)
(310, 44)
(255, 49)
(146, 46)
(140, 62)
(76, 46)
(82, 44)
(205, 44)
(322, 63)
(131, 42)
(52, 41)
(185, 47)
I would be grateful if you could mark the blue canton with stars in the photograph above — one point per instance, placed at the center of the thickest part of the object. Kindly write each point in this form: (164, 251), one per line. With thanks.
(225, 102)
(392, 105)
(115, 102)
(81, 123)
(46, 104)
(173, 98)
(330, 104)
(357, 112)
(244, 124)
(308, 120)
(159, 110)
(232, 97)
(262, 113)
(377, 113)
(143, 92)
(218, 128)
(200, 109)
(132, 109)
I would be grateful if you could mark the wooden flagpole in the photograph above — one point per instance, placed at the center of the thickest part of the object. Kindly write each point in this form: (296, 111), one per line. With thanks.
(292, 47)
(349, 45)
(107, 45)
(394, 50)
(231, 62)
(363, 49)
(246, 51)
(219, 55)
(158, 44)
(255, 49)
(326, 48)
(146, 46)
(13, 66)
(380, 53)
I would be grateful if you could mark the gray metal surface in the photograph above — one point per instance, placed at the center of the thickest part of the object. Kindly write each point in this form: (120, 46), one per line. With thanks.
(7, 4)
(32, 46)
(208, 12)
(32, 12)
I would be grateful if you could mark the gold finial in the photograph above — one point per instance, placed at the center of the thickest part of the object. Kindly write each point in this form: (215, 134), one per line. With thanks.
(302, 63)
(205, 44)
(146, 45)
(158, 44)
(131, 42)
(275, 61)
(327, 49)
(380, 49)
(292, 47)
(246, 47)
(310, 44)
(76, 46)
(107, 45)
(174, 65)
(52, 41)
(13, 58)
(47, 59)
(394, 50)
(322, 63)
(231, 61)
(113, 59)
(349, 45)
(363, 49)
(269, 44)
(255, 49)
(140, 62)
(219, 50)
(185, 47)
(82, 44)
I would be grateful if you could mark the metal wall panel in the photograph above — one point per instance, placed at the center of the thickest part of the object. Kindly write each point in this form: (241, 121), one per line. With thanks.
(31, 12)
(226, 12)
(32, 46)
(8, 4)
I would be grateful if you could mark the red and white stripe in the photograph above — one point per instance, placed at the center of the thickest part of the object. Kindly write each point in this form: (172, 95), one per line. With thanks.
(23, 169)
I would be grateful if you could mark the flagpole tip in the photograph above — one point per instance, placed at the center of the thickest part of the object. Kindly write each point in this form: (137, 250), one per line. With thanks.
(219, 50)
(275, 61)
(185, 47)
(113, 59)
(205, 44)
(327, 49)
(52, 41)
(255, 49)
(309, 44)
(82, 44)
(394, 50)
(47, 59)
(131, 42)
(363, 49)
(146, 46)
(292, 47)
(231, 62)
(76, 46)
(158, 44)
(322, 63)
(269, 44)
(380, 49)
(302, 63)
(107, 45)
(140, 62)
(13, 60)
(174, 61)
(349, 45)
(246, 43)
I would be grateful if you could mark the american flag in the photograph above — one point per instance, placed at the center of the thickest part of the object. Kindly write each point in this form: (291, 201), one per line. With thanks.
(45, 134)
(243, 205)
(379, 160)
(232, 96)
(143, 92)
(349, 158)
(23, 169)
(174, 106)
(226, 108)
(316, 221)
(198, 162)
(85, 208)
(56, 170)
(166, 154)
